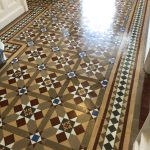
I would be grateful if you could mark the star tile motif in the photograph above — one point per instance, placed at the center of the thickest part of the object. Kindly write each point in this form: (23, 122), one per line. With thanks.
(62, 60)
(44, 39)
(27, 112)
(48, 82)
(43, 29)
(48, 39)
(81, 92)
(28, 35)
(72, 44)
(66, 126)
(18, 74)
(35, 54)
(92, 68)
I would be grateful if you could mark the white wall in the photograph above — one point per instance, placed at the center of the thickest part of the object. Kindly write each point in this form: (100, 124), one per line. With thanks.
(147, 54)
(10, 10)
(148, 42)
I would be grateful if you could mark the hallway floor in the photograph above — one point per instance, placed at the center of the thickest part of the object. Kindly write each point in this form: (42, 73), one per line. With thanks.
(71, 77)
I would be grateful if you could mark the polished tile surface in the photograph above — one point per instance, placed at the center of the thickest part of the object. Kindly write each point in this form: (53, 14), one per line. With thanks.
(63, 59)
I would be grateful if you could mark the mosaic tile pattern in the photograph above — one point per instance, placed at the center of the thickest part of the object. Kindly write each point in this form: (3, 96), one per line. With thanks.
(51, 92)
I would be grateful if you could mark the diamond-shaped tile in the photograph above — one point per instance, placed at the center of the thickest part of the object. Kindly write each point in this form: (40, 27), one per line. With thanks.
(112, 128)
(109, 137)
(35, 138)
(56, 101)
(108, 146)
(55, 49)
(22, 91)
(15, 60)
(120, 93)
(82, 54)
(71, 74)
(104, 83)
(119, 99)
(114, 120)
(41, 67)
(116, 113)
(30, 43)
(94, 113)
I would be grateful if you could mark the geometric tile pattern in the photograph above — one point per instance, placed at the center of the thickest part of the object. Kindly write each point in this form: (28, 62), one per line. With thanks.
(66, 126)
(48, 82)
(52, 91)
(81, 92)
(92, 68)
(27, 112)
(18, 74)
(62, 60)
(36, 54)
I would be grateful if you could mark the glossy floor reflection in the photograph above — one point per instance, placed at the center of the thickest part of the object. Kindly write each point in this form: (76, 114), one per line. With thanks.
(98, 18)
(67, 83)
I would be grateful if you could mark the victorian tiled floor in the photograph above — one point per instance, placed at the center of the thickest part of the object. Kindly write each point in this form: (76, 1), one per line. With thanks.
(70, 80)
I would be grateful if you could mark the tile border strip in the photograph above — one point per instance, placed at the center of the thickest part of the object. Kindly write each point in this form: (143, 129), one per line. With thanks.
(140, 59)
(124, 77)
(96, 131)
(131, 49)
